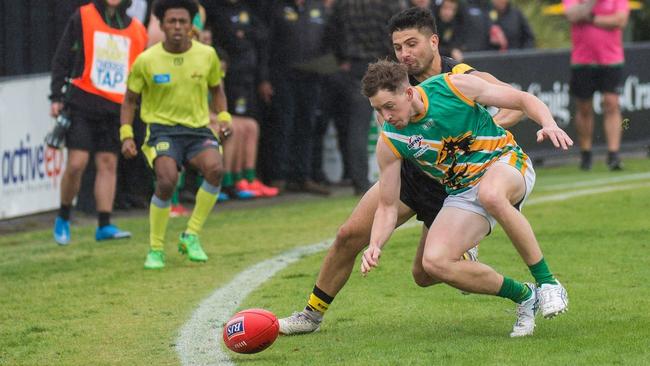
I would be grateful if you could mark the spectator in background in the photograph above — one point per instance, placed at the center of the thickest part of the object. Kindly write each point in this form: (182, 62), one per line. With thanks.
(477, 26)
(240, 152)
(325, 113)
(242, 36)
(449, 18)
(513, 24)
(426, 4)
(360, 28)
(96, 52)
(597, 65)
(296, 33)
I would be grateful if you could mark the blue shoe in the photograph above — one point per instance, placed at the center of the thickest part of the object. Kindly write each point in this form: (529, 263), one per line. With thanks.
(61, 231)
(223, 197)
(245, 195)
(109, 232)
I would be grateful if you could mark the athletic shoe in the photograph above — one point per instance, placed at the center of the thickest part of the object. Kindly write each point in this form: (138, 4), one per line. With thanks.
(190, 245)
(61, 231)
(553, 299)
(223, 197)
(525, 324)
(110, 232)
(614, 162)
(243, 186)
(237, 194)
(155, 259)
(300, 323)
(470, 255)
(178, 211)
(257, 186)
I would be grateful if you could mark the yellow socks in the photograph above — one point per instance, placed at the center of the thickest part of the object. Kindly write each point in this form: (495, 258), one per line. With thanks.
(206, 197)
(319, 301)
(158, 218)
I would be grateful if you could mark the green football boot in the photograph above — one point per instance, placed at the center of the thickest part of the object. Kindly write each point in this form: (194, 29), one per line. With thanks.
(190, 245)
(155, 259)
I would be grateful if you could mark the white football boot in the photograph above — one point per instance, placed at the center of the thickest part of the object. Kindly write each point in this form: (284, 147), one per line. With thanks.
(553, 299)
(302, 322)
(525, 324)
(470, 255)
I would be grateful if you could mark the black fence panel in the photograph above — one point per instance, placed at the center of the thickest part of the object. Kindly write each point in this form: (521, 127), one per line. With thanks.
(546, 73)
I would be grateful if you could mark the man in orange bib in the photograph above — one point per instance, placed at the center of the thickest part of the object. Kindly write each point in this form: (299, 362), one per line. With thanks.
(95, 54)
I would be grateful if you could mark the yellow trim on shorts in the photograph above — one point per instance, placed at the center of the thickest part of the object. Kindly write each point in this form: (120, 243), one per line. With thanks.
(148, 151)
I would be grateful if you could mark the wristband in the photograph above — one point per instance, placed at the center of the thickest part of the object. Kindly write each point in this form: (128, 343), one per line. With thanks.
(126, 132)
(224, 116)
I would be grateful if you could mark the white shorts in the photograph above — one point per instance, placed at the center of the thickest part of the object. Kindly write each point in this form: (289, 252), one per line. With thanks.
(468, 200)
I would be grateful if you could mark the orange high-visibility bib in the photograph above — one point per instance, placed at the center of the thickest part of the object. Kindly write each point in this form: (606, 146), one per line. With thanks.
(109, 54)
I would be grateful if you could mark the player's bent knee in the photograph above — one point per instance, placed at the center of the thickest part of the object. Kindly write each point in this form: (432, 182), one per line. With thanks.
(491, 200)
(423, 279)
(213, 173)
(165, 186)
(436, 267)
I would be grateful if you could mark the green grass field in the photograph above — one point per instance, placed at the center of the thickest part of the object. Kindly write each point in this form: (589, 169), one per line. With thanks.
(93, 304)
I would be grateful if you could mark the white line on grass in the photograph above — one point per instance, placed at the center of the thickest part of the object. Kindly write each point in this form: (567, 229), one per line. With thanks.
(593, 182)
(199, 342)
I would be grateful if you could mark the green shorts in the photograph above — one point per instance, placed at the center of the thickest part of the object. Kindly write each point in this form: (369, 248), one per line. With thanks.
(178, 142)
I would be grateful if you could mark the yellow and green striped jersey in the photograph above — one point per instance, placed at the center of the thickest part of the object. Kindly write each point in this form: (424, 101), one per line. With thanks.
(454, 140)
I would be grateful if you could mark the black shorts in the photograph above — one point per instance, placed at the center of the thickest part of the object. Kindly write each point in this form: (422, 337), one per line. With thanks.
(94, 133)
(585, 80)
(242, 100)
(178, 142)
(421, 193)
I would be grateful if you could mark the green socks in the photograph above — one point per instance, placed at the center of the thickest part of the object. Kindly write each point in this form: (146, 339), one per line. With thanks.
(514, 290)
(227, 180)
(542, 274)
(249, 174)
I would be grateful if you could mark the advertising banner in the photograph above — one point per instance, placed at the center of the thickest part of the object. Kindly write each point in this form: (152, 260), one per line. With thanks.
(546, 75)
(30, 172)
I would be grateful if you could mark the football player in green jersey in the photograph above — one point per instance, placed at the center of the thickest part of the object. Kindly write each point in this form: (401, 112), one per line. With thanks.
(415, 42)
(442, 126)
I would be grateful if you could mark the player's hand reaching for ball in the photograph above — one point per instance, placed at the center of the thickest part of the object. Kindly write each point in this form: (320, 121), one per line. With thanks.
(558, 137)
(129, 150)
(370, 259)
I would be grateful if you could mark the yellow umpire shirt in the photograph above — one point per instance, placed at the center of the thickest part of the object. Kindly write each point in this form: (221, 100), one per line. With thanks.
(174, 86)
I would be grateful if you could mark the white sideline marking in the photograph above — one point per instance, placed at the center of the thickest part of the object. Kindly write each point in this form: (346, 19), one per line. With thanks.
(594, 182)
(199, 342)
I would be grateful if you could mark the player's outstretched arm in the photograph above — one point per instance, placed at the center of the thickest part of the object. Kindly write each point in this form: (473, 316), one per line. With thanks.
(127, 114)
(505, 118)
(386, 214)
(482, 92)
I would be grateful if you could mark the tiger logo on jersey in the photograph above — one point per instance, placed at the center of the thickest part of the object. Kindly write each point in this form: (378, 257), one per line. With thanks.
(451, 146)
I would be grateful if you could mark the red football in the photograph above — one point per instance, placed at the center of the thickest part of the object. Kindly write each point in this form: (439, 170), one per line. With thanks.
(251, 331)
